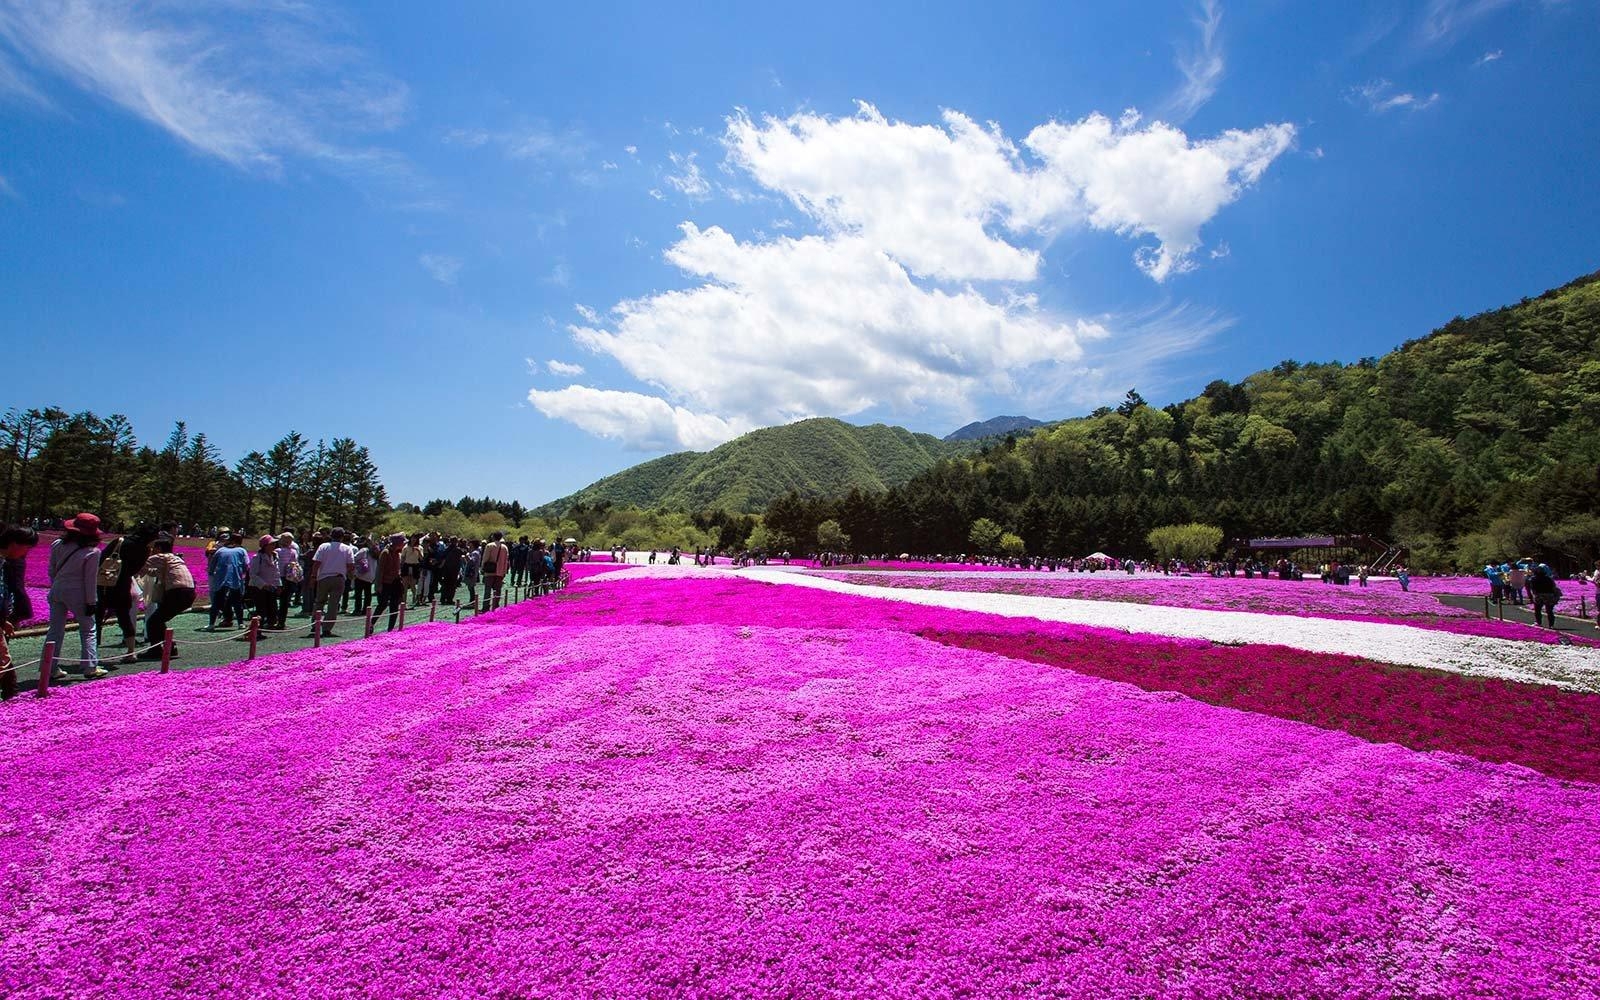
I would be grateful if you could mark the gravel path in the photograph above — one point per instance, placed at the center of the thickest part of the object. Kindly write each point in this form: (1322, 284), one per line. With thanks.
(1569, 667)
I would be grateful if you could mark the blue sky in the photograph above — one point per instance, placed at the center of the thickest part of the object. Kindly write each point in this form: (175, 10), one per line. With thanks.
(414, 224)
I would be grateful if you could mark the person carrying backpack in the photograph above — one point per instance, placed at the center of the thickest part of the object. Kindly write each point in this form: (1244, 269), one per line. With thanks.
(1541, 585)
(496, 560)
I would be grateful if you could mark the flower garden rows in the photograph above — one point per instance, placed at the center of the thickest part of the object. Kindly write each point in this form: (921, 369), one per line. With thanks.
(702, 785)
(1384, 602)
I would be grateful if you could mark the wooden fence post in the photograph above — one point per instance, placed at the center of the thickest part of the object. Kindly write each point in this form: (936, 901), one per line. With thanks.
(255, 634)
(47, 664)
(166, 651)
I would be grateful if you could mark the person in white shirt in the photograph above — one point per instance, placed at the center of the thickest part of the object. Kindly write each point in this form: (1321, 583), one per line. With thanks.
(331, 567)
(366, 573)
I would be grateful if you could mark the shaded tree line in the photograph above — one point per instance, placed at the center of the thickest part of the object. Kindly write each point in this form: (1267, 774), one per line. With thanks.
(54, 463)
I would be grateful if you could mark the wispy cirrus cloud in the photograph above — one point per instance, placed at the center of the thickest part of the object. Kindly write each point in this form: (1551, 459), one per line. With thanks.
(1444, 20)
(1203, 65)
(1381, 97)
(1494, 55)
(688, 180)
(250, 85)
(441, 267)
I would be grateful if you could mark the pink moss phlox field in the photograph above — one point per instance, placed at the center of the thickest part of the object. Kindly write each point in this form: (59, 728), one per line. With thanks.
(1384, 603)
(1538, 726)
(580, 803)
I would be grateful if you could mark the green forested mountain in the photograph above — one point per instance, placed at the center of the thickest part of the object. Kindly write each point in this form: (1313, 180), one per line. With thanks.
(812, 458)
(1479, 441)
(993, 427)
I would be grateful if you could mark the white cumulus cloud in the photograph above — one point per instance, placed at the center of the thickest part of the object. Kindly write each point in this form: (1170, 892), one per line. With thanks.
(642, 422)
(565, 368)
(913, 294)
(935, 198)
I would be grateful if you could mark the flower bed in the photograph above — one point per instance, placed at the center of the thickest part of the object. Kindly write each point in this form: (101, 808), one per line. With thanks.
(1385, 603)
(717, 787)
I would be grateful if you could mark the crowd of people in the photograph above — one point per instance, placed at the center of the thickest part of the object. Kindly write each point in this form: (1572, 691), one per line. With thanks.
(1529, 582)
(329, 571)
(334, 573)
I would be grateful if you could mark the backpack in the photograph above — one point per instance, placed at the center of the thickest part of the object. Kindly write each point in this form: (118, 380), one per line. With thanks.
(110, 569)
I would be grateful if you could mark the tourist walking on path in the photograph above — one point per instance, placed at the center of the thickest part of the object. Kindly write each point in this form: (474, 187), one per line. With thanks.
(74, 578)
(496, 560)
(331, 567)
(1516, 580)
(291, 574)
(230, 575)
(266, 580)
(168, 593)
(1544, 592)
(111, 604)
(411, 568)
(366, 573)
(450, 571)
(117, 576)
(15, 542)
(391, 585)
(471, 568)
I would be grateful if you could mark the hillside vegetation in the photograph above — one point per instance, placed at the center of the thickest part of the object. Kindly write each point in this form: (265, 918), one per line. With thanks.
(812, 458)
(1480, 441)
(994, 427)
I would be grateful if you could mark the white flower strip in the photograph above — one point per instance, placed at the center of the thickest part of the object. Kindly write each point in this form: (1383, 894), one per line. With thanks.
(1573, 668)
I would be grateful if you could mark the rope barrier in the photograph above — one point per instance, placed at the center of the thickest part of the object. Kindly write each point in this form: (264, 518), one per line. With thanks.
(100, 659)
(490, 602)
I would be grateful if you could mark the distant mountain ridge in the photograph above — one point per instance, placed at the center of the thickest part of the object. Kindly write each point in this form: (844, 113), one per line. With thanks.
(821, 457)
(993, 427)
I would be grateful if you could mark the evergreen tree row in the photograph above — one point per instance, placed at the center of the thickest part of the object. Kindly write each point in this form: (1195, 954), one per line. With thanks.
(54, 463)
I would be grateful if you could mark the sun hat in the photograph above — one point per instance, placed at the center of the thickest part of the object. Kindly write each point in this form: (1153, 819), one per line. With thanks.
(83, 524)
(287, 536)
(398, 536)
(266, 540)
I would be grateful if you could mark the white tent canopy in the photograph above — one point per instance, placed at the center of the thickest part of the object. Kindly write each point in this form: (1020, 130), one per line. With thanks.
(1099, 555)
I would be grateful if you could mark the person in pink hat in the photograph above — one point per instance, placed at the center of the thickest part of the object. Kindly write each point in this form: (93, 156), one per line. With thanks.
(74, 577)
